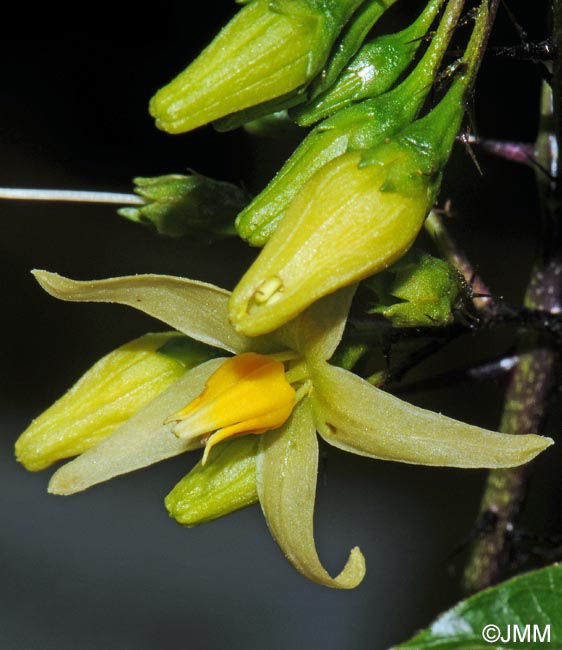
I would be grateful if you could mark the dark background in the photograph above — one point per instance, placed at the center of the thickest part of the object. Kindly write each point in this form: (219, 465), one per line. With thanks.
(108, 569)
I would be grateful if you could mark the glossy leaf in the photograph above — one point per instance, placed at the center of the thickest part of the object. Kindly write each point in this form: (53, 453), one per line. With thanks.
(517, 611)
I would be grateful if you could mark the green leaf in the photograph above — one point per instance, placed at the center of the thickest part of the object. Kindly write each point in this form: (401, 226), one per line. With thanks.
(519, 610)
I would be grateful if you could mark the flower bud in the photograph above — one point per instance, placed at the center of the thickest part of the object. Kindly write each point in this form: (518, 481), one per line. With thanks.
(350, 40)
(360, 127)
(227, 482)
(372, 71)
(194, 205)
(348, 222)
(270, 49)
(417, 291)
(110, 392)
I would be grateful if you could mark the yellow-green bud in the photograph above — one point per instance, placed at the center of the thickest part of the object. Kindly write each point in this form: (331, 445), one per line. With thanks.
(268, 50)
(227, 482)
(418, 291)
(110, 392)
(347, 222)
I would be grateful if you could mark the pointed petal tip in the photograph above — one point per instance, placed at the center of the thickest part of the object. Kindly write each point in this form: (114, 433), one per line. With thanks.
(353, 572)
(60, 486)
(52, 283)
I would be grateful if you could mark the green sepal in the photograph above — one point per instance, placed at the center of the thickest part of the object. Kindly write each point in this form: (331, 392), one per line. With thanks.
(255, 113)
(373, 70)
(346, 356)
(349, 42)
(227, 482)
(194, 205)
(417, 291)
(276, 125)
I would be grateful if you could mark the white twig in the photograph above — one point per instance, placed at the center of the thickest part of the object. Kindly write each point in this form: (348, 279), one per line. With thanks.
(77, 196)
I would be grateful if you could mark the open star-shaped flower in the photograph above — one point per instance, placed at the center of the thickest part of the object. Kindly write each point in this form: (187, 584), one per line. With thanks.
(283, 385)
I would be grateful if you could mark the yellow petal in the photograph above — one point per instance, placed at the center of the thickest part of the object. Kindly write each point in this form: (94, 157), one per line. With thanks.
(247, 394)
(195, 308)
(143, 440)
(287, 468)
(354, 416)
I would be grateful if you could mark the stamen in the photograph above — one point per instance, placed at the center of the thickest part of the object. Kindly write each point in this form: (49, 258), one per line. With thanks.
(267, 289)
(303, 391)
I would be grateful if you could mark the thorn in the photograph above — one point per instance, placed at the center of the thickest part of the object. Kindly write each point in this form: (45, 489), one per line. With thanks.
(465, 139)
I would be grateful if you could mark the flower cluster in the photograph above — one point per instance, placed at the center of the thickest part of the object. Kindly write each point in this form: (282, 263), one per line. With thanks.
(346, 206)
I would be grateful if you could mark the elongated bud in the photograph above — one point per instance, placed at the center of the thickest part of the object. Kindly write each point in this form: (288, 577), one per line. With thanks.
(372, 71)
(110, 392)
(357, 214)
(417, 291)
(227, 482)
(270, 49)
(362, 126)
(344, 225)
(194, 205)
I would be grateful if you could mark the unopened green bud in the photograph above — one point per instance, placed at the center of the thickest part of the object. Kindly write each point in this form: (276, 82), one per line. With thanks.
(110, 392)
(227, 482)
(355, 216)
(360, 127)
(270, 49)
(373, 70)
(194, 205)
(347, 223)
(349, 41)
(417, 291)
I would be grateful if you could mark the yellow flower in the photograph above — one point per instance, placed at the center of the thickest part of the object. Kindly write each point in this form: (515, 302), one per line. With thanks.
(343, 226)
(247, 394)
(347, 412)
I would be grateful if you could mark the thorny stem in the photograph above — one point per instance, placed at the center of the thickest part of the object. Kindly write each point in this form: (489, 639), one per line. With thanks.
(531, 385)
